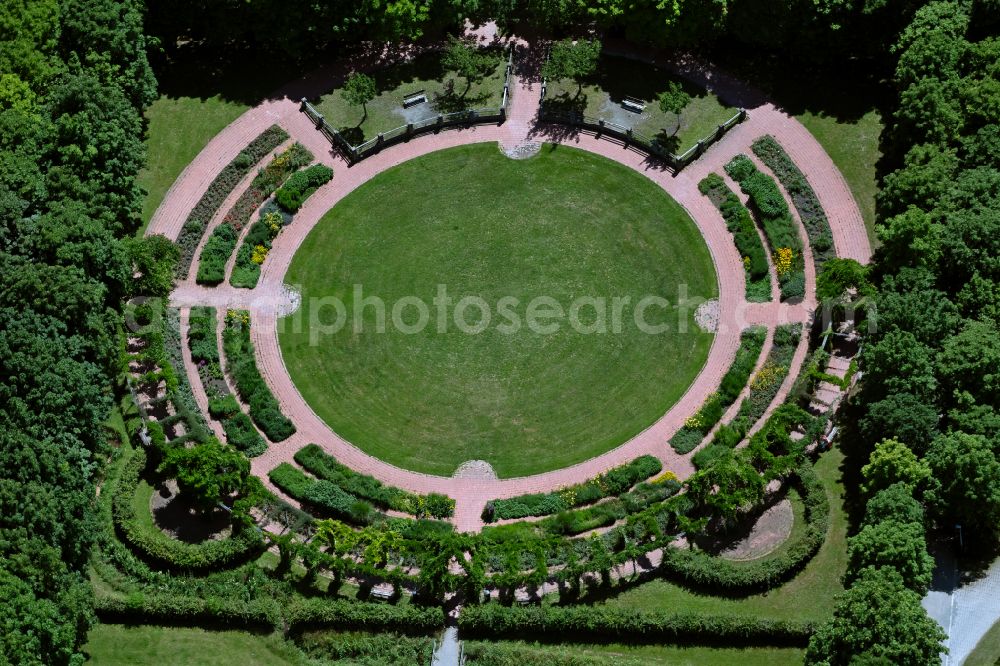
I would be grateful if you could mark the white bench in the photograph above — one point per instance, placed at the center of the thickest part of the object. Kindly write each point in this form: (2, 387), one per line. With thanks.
(414, 98)
(633, 104)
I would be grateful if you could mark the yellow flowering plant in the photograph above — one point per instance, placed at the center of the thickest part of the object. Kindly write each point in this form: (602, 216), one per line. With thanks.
(783, 257)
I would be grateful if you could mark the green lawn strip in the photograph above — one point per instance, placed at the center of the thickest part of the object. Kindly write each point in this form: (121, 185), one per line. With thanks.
(853, 145)
(526, 401)
(745, 236)
(775, 218)
(701, 423)
(124, 645)
(445, 93)
(987, 650)
(809, 596)
(617, 77)
(519, 653)
(179, 128)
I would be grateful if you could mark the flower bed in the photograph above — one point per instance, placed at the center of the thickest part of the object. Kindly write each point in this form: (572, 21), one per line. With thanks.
(219, 189)
(220, 246)
(744, 231)
(803, 198)
(775, 218)
(294, 193)
(242, 368)
(768, 379)
(324, 466)
(613, 482)
(695, 428)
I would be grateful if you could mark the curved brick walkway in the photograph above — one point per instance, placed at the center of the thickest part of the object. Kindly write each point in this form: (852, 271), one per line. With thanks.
(471, 494)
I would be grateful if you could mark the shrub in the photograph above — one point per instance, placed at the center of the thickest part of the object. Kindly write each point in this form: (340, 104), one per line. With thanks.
(325, 466)
(686, 439)
(709, 454)
(219, 189)
(162, 550)
(220, 407)
(201, 335)
(613, 482)
(739, 223)
(241, 434)
(329, 498)
(215, 254)
(605, 623)
(157, 608)
(297, 189)
(803, 198)
(242, 367)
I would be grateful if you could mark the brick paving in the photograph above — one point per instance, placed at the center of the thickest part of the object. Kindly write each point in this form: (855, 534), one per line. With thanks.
(270, 297)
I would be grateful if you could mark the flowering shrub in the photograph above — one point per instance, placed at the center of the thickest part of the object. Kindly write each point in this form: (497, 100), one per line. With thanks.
(783, 257)
(259, 254)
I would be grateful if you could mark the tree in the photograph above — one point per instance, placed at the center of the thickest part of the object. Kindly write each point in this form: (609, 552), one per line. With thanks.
(899, 363)
(468, 61)
(209, 473)
(965, 481)
(359, 89)
(894, 503)
(889, 543)
(893, 462)
(572, 60)
(154, 258)
(908, 418)
(878, 618)
(674, 99)
(970, 362)
(839, 275)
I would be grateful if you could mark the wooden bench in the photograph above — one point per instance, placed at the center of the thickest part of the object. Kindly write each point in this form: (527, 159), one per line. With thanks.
(634, 105)
(382, 593)
(414, 98)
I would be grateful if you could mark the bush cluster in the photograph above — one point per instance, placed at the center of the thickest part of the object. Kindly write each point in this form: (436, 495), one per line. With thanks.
(297, 189)
(324, 466)
(162, 550)
(328, 498)
(691, 434)
(739, 223)
(775, 218)
(220, 188)
(215, 254)
(606, 623)
(613, 482)
(242, 367)
(241, 433)
(803, 197)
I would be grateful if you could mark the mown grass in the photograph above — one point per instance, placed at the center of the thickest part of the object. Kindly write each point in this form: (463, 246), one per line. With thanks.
(809, 596)
(987, 650)
(527, 401)
(616, 78)
(179, 127)
(113, 645)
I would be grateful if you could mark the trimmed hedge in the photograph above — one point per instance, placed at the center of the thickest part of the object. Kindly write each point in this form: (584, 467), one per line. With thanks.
(327, 497)
(697, 568)
(775, 218)
(608, 623)
(163, 550)
(343, 614)
(297, 189)
(324, 466)
(242, 367)
(241, 434)
(693, 432)
(215, 254)
(739, 223)
(613, 482)
(139, 607)
(803, 198)
(219, 189)
(383, 648)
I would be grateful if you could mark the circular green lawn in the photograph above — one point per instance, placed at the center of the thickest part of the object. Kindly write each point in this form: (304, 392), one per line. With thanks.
(564, 224)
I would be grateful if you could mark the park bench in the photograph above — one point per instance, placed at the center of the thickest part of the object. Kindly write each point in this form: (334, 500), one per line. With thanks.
(414, 98)
(382, 592)
(633, 104)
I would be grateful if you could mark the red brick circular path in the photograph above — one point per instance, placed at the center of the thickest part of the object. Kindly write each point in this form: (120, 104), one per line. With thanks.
(849, 234)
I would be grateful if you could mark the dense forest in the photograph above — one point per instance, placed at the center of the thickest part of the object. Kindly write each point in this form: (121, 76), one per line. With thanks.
(74, 81)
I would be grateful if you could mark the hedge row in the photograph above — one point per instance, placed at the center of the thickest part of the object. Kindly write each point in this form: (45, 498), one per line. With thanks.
(242, 367)
(705, 571)
(329, 498)
(215, 255)
(775, 218)
(608, 623)
(139, 607)
(293, 193)
(803, 197)
(359, 647)
(613, 482)
(739, 223)
(736, 377)
(341, 613)
(491, 653)
(157, 547)
(578, 521)
(180, 394)
(219, 189)
(324, 466)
